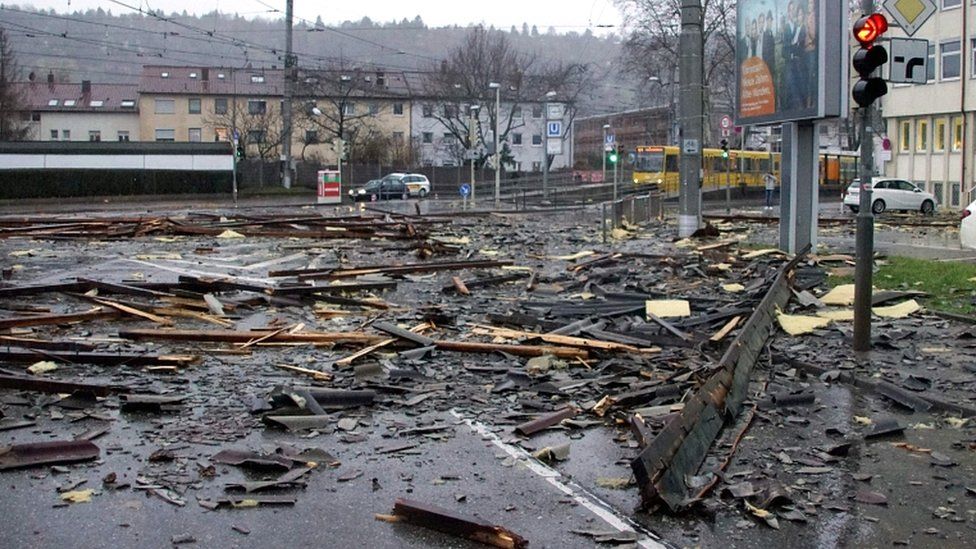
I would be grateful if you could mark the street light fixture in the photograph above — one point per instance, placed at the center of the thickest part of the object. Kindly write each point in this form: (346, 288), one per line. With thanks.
(545, 144)
(498, 153)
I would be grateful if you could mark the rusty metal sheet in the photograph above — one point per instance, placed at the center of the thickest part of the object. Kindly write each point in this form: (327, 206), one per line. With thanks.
(46, 453)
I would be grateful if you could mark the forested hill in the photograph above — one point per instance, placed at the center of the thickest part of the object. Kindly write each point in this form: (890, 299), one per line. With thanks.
(105, 46)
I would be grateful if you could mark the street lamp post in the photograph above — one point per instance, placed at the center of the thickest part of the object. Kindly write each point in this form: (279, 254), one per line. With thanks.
(545, 145)
(498, 153)
(603, 153)
(473, 111)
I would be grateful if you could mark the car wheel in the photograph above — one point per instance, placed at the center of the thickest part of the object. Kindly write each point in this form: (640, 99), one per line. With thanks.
(423, 193)
(928, 207)
(854, 209)
(878, 207)
(373, 198)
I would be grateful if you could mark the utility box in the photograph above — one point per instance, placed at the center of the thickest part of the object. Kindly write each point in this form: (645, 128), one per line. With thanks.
(330, 187)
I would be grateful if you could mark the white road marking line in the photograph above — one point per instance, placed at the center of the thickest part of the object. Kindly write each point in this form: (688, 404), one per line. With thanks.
(579, 494)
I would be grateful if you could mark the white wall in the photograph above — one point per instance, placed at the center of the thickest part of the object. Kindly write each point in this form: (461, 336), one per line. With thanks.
(80, 123)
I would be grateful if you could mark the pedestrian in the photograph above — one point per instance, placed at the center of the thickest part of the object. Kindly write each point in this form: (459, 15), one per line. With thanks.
(770, 180)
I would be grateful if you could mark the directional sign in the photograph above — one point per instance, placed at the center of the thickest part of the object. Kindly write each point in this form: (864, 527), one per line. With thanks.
(465, 190)
(555, 111)
(910, 14)
(555, 128)
(690, 146)
(554, 146)
(908, 59)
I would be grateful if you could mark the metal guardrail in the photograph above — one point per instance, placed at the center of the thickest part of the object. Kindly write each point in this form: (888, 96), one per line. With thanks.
(631, 210)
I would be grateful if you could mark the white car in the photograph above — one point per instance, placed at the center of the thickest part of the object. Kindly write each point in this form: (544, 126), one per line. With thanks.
(891, 194)
(417, 184)
(967, 227)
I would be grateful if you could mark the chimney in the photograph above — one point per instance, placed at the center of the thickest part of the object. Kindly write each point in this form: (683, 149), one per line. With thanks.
(86, 87)
(50, 81)
(380, 79)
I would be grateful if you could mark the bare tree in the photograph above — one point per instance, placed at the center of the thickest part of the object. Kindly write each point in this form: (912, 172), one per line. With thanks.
(12, 101)
(461, 82)
(652, 47)
(337, 107)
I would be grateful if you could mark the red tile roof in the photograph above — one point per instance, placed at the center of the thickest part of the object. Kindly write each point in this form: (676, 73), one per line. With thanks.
(57, 97)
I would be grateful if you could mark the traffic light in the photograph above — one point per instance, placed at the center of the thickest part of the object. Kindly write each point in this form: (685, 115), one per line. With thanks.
(339, 146)
(240, 150)
(725, 148)
(869, 58)
(614, 155)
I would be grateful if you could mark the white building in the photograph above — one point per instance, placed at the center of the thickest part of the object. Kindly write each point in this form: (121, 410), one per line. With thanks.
(930, 126)
(81, 112)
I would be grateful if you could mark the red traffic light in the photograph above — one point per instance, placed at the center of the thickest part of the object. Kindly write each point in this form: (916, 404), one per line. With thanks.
(868, 28)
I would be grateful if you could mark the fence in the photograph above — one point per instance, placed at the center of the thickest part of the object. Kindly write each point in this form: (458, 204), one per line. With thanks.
(631, 210)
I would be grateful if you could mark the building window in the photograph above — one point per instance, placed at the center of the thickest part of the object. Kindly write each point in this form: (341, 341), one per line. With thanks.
(930, 66)
(374, 109)
(220, 105)
(946, 4)
(165, 106)
(257, 79)
(66, 135)
(906, 136)
(257, 106)
(922, 136)
(537, 140)
(950, 58)
(536, 111)
(311, 136)
(221, 134)
(54, 135)
(448, 137)
(123, 135)
(954, 194)
(428, 111)
(536, 166)
(516, 139)
(95, 103)
(94, 135)
(193, 105)
(69, 102)
(165, 135)
(957, 134)
(128, 104)
(255, 136)
(52, 103)
(35, 117)
(450, 111)
(516, 112)
(972, 56)
(349, 109)
(398, 109)
(194, 135)
(427, 137)
(939, 139)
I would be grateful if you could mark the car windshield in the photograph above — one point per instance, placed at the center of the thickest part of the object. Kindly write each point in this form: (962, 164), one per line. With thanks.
(372, 185)
(392, 178)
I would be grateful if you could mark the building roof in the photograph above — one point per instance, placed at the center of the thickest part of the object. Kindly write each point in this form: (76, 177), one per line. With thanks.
(60, 97)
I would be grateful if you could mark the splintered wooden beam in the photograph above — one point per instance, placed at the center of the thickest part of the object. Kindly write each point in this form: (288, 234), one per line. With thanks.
(244, 336)
(517, 350)
(345, 362)
(449, 522)
(56, 319)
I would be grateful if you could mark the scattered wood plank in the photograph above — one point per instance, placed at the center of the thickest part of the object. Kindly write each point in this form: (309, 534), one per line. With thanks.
(517, 350)
(346, 362)
(729, 326)
(449, 522)
(243, 336)
(459, 285)
(56, 319)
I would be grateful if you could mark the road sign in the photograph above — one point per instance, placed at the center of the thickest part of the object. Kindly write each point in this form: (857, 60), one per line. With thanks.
(554, 146)
(555, 111)
(725, 123)
(555, 128)
(609, 139)
(237, 134)
(726, 132)
(690, 146)
(908, 59)
(910, 14)
(465, 190)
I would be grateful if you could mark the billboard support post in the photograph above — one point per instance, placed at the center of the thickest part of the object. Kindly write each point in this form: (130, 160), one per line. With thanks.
(799, 196)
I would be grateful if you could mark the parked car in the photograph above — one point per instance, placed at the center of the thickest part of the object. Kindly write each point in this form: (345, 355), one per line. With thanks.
(417, 184)
(380, 189)
(891, 194)
(967, 227)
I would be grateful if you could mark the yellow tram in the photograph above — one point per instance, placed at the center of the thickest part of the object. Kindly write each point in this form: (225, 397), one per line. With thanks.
(658, 165)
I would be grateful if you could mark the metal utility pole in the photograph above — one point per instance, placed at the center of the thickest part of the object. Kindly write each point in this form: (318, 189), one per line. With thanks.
(690, 71)
(545, 145)
(728, 184)
(603, 150)
(473, 112)
(498, 151)
(864, 240)
(290, 67)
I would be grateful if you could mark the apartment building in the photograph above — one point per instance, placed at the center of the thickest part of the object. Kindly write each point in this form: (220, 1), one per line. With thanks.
(930, 126)
(81, 111)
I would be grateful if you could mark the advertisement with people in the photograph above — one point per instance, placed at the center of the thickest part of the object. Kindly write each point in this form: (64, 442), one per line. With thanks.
(778, 60)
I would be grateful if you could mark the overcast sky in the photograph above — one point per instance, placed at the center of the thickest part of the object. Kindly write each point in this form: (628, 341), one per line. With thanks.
(564, 15)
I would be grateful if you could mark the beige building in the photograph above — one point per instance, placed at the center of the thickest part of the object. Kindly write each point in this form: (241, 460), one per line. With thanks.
(208, 104)
(81, 112)
(931, 126)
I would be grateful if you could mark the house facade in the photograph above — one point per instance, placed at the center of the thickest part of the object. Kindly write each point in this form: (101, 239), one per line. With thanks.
(930, 126)
(81, 112)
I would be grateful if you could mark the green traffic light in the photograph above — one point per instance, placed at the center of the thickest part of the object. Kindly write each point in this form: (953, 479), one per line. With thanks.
(725, 154)
(613, 158)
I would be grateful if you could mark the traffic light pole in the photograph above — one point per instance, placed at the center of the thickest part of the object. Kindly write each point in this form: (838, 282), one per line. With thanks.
(616, 161)
(728, 184)
(864, 239)
(690, 108)
(286, 104)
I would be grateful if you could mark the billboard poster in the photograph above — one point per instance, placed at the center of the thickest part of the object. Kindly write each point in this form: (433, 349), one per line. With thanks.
(790, 61)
